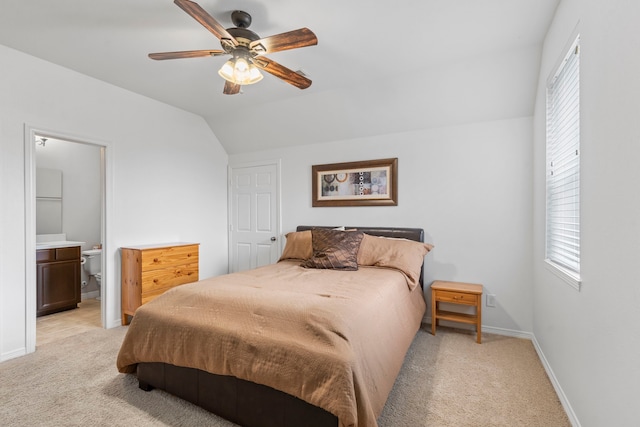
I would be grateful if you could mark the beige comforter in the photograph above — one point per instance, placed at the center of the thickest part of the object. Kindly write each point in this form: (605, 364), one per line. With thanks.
(335, 339)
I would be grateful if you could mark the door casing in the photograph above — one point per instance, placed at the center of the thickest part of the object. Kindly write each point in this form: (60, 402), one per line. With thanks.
(108, 289)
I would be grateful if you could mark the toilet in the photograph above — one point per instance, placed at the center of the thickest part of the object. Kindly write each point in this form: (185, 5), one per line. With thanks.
(92, 264)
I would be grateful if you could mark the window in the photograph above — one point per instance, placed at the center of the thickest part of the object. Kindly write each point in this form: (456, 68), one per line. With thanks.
(563, 168)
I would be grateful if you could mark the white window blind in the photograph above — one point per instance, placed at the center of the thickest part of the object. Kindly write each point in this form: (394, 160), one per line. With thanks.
(563, 164)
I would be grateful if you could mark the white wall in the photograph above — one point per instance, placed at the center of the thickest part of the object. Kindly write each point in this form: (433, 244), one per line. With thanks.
(167, 174)
(468, 187)
(590, 338)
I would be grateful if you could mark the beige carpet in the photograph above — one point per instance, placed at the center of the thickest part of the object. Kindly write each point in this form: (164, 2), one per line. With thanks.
(447, 380)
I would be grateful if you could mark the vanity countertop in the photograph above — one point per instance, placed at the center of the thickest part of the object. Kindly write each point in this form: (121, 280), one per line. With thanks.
(58, 244)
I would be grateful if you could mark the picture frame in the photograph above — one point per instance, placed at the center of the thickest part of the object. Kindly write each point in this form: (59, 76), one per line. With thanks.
(363, 183)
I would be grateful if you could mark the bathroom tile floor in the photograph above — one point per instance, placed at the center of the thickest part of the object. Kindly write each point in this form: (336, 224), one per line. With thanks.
(68, 323)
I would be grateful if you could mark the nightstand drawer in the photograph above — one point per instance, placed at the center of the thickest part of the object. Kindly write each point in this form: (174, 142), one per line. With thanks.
(456, 297)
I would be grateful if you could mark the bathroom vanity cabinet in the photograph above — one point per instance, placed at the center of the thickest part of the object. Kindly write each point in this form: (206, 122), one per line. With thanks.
(58, 279)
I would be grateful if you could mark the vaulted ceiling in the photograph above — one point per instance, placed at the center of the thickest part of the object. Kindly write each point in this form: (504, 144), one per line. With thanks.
(379, 67)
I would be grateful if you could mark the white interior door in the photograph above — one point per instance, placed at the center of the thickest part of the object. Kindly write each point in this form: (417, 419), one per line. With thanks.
(254, 217)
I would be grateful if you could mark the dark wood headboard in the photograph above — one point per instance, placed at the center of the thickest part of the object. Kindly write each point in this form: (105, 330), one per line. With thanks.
(416, 234)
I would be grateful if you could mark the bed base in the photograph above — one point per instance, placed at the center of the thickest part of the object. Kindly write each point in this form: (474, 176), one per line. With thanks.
(242, 402)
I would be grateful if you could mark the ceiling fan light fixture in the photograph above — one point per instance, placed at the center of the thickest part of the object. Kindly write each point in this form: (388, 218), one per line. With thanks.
(240, 71)
(246, 49)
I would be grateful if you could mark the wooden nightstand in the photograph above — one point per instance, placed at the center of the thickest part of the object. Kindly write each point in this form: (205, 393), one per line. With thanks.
(456, 293)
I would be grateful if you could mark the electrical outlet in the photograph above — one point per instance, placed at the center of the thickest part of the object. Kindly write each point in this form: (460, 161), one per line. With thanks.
(491, 300)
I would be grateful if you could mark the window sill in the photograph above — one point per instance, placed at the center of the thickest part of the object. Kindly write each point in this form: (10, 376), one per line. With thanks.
(569, 277)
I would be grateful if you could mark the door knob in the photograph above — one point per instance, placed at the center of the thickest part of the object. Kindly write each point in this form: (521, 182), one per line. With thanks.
(273, 238)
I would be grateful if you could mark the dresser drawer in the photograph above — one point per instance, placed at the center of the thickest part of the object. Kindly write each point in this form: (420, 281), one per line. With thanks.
(168, 257)
(456, 297)
(165, 278)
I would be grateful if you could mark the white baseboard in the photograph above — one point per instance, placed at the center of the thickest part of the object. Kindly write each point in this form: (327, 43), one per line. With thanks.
(89, 295)
(13, 354)
(573, 419)
(507, 332)
(114, 324)
(487, 329)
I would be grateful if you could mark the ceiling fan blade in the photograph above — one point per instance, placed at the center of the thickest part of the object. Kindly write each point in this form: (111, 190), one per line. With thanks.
(289, 40)
(230, 88)
(207, 21)
(186, 54)
(289, 76)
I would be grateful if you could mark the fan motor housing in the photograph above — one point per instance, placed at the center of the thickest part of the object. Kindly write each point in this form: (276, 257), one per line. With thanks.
(244, 36)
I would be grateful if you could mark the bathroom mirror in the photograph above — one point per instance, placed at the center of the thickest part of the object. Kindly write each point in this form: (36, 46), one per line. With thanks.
(48, 201)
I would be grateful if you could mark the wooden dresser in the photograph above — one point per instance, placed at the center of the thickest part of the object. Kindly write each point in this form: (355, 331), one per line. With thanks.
(151, 270)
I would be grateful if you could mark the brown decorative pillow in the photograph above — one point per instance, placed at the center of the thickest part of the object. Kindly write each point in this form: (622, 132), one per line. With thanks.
(333, 249)
(298, 245)
(401, 254)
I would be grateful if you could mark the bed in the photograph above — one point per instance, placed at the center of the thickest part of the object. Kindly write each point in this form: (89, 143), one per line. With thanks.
(315, 340)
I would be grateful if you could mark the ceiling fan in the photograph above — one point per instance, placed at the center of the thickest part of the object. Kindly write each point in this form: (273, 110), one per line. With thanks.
(246, 48)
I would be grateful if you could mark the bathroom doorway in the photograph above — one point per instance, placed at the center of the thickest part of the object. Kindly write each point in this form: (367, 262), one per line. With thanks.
(77, 213)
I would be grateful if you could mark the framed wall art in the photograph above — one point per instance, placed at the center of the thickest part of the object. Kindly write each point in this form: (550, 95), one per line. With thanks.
(365, 183)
